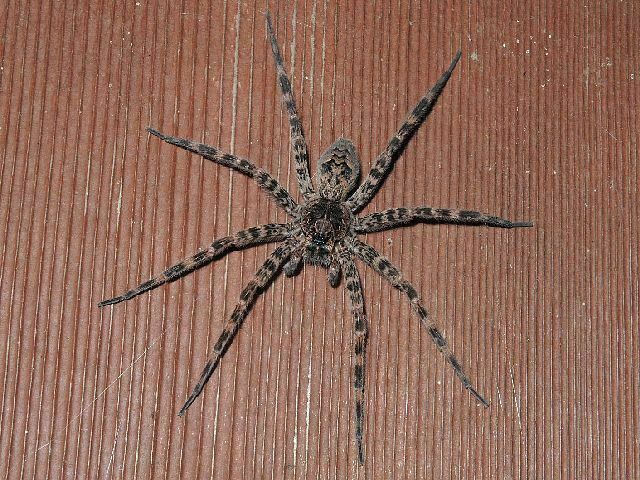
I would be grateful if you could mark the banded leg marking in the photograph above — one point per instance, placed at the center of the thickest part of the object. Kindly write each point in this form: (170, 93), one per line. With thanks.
(265, 274)
(384, 267)
(385, 161)
(262, 177)
(360, 345)
(298, 143)
(270, 232)
(397, 217)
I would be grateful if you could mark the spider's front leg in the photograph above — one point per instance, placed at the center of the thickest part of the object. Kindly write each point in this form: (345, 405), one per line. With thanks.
(265, 274)
(397, 217)
(270, 232)
(360, 344)
(383, 266)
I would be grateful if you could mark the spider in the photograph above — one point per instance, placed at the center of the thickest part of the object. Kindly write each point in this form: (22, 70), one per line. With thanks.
(324, 231)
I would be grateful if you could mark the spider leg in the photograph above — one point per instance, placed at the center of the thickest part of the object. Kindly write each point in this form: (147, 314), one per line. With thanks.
(385, 161)
(383, 266)
(298, 143)
(263, 277)
(397, 217)
(262, 177)
(270, 232)
(360, 340)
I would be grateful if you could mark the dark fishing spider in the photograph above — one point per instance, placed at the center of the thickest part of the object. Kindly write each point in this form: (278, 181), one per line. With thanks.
(324, 230)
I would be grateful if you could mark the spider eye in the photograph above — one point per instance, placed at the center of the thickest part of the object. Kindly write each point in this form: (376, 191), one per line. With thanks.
(323, 231)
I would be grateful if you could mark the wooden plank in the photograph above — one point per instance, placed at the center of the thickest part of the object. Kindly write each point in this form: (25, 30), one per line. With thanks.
(539, 122)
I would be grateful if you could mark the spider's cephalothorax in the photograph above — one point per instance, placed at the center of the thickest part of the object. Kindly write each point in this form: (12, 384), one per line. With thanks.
(323, 231)
(324, 223)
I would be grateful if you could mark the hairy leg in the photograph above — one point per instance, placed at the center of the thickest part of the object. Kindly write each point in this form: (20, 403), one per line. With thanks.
(397, 217)
(385, 161)
(298, 143)
(270, 232)
(262, 177)
(383, 266)
(360, 344)
(263, 277)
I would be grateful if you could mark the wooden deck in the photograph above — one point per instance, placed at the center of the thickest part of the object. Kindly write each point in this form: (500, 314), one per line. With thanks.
(539, 122)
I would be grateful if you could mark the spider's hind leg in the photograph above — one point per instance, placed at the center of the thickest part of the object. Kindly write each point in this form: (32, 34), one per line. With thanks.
(298, 143)
(383, 266)
(385, 161)
(242, 165)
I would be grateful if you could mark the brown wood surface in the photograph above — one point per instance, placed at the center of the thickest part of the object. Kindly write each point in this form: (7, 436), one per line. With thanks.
(539, 122)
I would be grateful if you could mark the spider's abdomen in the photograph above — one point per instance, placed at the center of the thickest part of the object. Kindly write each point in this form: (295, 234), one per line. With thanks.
(338, 170)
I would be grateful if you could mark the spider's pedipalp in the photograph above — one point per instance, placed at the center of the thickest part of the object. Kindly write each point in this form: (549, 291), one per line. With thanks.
(242, 165)
(385, 268)
(333, 273)
(292, 266)
(397, 217)
(298, 143)
(265, 274)
(270, 232)
(385, 161)
(360, 345)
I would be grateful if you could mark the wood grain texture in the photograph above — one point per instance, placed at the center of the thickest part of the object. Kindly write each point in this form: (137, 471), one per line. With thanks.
(539, 122)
